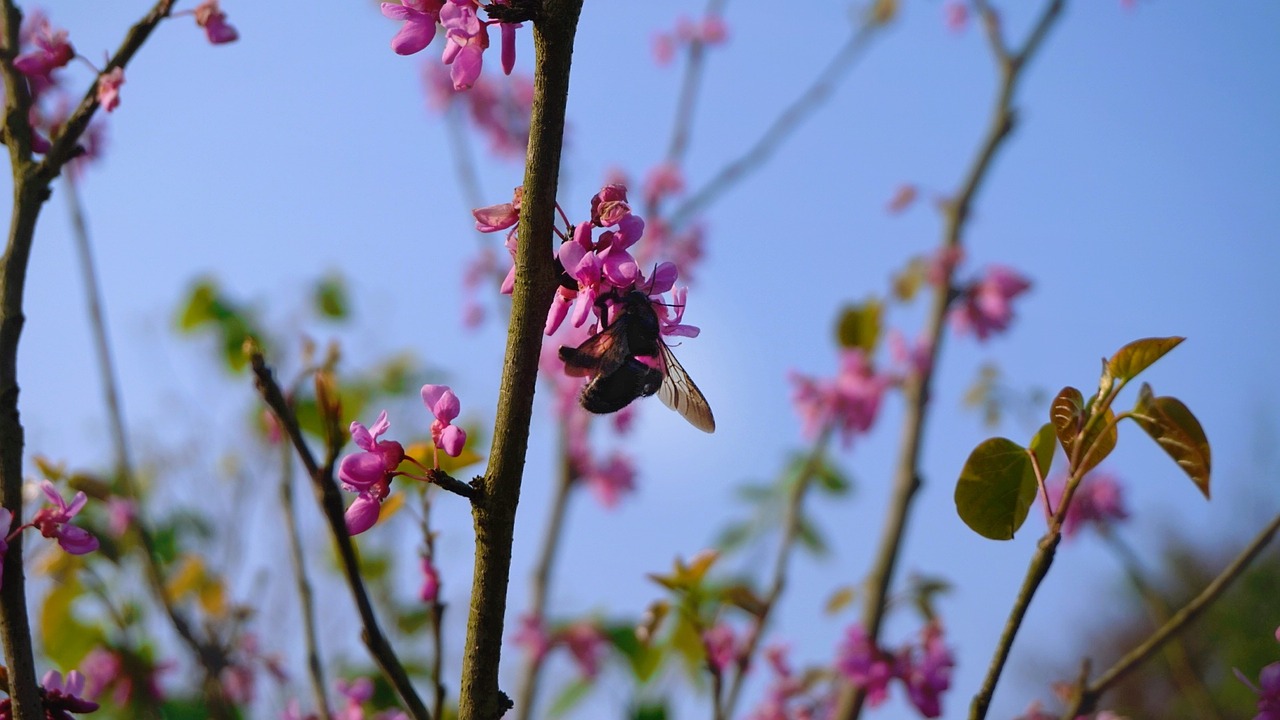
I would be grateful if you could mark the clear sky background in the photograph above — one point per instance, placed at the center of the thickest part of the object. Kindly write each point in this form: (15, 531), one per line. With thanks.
(1141, 192)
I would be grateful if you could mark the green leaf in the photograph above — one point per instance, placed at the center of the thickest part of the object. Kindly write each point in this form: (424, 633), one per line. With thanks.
(831, 478)
(734, 536)
(1175, 429)
(1099, 440)
(331, 297)
(1138, 356)
(1043, 449)
(859, 326)
(810, 537)
(568, 697)
(996, 488)
(643, 659)
(649, 711)
(198, 309)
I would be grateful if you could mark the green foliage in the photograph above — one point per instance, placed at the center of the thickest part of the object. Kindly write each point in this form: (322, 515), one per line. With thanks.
(207, 306)
(859, 326)
(643, 659)
(1175, 429)
(1042, 448)
(330, 298)
(649, 711)
(996, 488)
(65, 639)
(569, 697)
(1136, 357)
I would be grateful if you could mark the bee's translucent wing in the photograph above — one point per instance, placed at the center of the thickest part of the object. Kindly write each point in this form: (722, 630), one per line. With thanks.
(600, 354)
(680, 394)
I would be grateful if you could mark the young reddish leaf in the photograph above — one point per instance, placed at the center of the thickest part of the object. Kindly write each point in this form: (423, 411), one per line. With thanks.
(1138, 356)
(859, 326)
(1175, 429)
(1042, 448)
(1067, 415)
(742, 596)
(996, 488)
(1099, 440)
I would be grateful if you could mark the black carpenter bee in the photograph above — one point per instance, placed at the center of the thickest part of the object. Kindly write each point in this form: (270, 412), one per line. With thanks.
(613, 360)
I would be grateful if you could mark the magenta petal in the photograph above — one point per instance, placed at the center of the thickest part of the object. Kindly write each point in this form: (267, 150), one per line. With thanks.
(508, 48)
(76, 540)
(380, 426)
(466, 67)
(362, 514)
(452, 440)
(359, 471)
(415, 36)
(556, 314)
(396, 11)
(52, 493)
(664, 278)
(361, 436)
(77, 504)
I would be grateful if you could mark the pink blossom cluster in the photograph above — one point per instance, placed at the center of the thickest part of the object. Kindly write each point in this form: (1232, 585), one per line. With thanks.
(466, 35)
(923, 669)
(499, 110)
(984, 307)
(1098, 501)
(711, 30)
(788, 696)
(355, 695)
(597, 271)
(53, 521)
(849, 402)
(59, 698)
(369, 473)
(1267, 689)
(1034, 712)
(106, 670)
(583, 640)
(45, 49)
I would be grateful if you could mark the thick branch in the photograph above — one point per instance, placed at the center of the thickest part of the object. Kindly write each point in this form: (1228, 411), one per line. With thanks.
(494, 513)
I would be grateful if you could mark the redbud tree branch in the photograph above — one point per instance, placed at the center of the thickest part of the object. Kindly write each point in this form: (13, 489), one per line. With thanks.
(1086, 700)
(782, 126)
(535, 280)
(330, 499)
(917, 388)
(689, 87)
(30, 189)
(781, 565)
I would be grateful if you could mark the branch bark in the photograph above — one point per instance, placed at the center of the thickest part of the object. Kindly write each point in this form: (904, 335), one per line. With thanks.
(495, 510)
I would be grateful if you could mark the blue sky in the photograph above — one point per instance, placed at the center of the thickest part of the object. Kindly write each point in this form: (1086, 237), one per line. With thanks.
(1139, 192)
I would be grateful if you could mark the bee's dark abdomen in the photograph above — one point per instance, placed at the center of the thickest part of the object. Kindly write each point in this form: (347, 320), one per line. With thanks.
(614, 391)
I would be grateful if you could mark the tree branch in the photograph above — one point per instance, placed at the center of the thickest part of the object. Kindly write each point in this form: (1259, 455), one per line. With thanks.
(535, 279)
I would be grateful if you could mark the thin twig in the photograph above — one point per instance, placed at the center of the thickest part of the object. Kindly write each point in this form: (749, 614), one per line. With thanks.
(480, 697)
(778, 131)
(781, 565)
(689, 86)
(330, 500)
(1184, 673)
(1086, 701)
(30, 190)
(210, 655)
(917, 388)
(306, 599)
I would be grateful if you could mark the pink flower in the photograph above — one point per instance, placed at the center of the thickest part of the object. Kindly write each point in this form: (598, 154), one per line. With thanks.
(612, 479)
(1099, 500)
(586, 644)
(928, 675)
(120, 515)
(532, 636)
(985, 308)
(430, 591)
(442, 403)
(419, 29)
(210, 17)
(665, 180)
(466, 40)
(721, 646)
(864, 665)
(369, 473)
(52, 51)
(851, 400)
(956, 15)
(109, 88)
(361, 471)
(62, 698)
(902, 198)
(54, 522)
